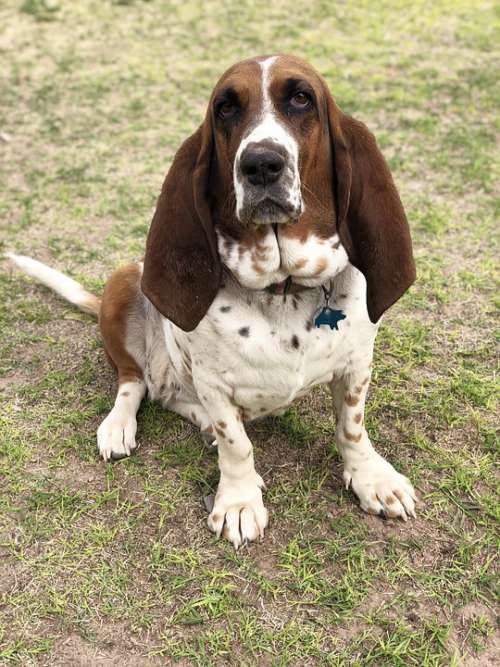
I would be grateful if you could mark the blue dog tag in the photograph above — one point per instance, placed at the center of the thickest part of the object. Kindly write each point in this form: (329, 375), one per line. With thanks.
(328, 317)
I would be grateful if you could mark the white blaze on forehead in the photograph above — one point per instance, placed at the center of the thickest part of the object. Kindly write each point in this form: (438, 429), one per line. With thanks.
(265, 66)
(269, 128)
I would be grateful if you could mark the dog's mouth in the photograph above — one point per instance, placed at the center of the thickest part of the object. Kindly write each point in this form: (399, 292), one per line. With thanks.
(270, 211)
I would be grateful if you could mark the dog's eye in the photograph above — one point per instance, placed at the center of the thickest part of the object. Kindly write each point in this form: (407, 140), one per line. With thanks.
(226, 110)
(300, 101)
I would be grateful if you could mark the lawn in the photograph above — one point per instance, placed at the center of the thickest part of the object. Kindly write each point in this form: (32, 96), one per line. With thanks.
(113, 564)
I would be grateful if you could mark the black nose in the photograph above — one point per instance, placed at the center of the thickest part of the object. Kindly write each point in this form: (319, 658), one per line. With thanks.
(261, 165)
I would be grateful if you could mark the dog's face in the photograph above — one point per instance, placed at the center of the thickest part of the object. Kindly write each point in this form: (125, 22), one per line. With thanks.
(268, 122)
(285, 181)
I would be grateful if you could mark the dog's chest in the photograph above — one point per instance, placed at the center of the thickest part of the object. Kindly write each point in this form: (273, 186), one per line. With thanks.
(265, 350)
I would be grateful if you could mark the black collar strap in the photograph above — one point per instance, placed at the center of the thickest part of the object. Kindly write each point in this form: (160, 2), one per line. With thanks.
(286, 287)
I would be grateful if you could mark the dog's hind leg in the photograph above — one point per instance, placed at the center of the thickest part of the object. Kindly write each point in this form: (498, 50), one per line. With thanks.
(196, 414)
(122, 323)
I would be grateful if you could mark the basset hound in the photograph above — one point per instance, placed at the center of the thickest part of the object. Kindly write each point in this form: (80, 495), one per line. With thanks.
(278, 242)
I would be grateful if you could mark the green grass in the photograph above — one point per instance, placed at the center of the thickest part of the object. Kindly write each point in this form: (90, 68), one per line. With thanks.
(116, 561)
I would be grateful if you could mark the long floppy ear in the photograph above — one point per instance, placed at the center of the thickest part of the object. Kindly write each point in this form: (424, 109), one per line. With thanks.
(182, 270)
(371, 221)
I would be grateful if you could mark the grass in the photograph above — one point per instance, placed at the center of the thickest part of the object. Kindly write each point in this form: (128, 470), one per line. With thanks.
(104, 564)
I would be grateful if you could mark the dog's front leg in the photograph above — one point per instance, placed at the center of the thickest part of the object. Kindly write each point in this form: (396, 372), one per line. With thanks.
(379, 487)
(238, 512)
(116, 434)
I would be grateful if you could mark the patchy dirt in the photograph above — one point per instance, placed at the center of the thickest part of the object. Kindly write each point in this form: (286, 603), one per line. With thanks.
(117, 649)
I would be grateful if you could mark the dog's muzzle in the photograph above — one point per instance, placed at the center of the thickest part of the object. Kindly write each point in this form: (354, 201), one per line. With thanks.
(267, 177)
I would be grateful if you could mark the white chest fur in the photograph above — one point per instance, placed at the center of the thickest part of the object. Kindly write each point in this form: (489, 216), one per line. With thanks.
(264, 351)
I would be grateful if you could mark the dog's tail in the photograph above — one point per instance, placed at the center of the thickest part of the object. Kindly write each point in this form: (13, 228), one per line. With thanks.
(65, 286)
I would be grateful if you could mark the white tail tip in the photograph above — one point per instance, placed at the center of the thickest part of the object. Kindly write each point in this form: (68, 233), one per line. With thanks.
(63, 285)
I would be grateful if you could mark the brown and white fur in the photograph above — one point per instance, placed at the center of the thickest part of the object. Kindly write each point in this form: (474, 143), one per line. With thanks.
(276, 184)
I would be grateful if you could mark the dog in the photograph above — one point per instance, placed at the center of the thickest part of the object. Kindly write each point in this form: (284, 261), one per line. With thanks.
(277, 243)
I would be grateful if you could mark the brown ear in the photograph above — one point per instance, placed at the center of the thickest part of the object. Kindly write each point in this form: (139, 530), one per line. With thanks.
(371, 221)
(181, 267)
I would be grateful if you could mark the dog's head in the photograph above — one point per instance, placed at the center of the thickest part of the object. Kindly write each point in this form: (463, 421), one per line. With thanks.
(274, 149)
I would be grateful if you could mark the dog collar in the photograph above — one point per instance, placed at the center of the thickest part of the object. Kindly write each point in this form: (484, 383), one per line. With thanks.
(324, 316)
(286, 287)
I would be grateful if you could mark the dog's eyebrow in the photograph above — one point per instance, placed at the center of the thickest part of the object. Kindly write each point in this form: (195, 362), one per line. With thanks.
(227, 93)
(294, 85)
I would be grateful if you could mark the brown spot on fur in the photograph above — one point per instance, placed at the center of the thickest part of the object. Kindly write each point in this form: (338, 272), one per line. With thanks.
(220, 432)
(321, 264)
(259, 395)
(300, 263)
(125, 393)
(351, 400)
(358, 417)
(390, 500)
(352, 437)
(258, 268)
(263, 409)
(231, 441)
(222, 424)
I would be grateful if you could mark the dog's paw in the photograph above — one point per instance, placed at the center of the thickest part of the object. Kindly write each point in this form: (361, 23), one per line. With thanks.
(380, 489)
(238, 512)
(116, 435)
